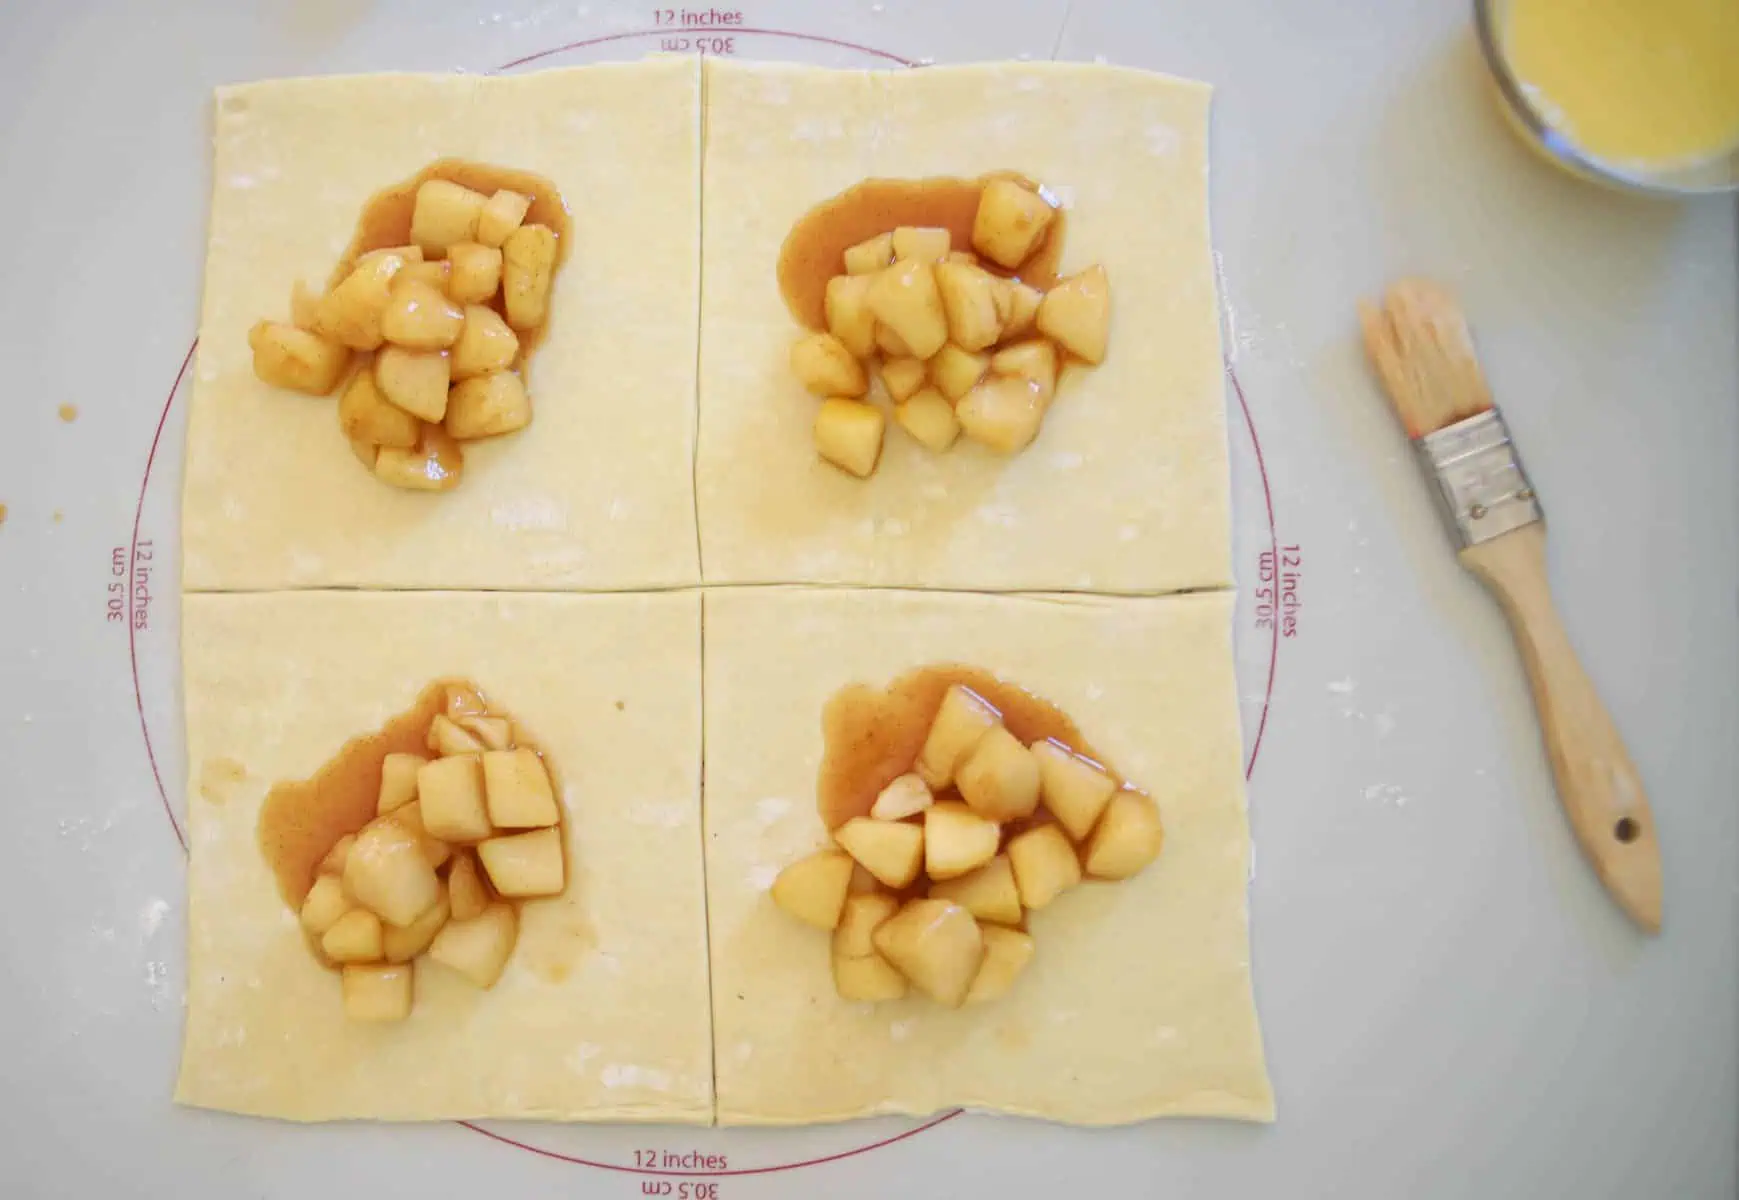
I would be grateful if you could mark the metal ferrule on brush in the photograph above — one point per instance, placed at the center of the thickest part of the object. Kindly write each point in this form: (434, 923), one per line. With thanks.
(1481, 486)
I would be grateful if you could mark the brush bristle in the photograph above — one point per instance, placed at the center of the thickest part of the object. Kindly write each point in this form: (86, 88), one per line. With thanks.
(1419, 343)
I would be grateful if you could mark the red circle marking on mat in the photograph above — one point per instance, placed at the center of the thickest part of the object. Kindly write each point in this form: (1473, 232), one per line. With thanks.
(180, 836)
(770, 1170)
(132, 560)
(679, 30)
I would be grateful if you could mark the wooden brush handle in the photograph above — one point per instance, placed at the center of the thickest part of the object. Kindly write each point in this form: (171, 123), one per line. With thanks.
(1597, 783)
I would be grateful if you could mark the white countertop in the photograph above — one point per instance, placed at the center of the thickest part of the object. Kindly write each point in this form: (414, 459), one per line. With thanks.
(1451, 1006)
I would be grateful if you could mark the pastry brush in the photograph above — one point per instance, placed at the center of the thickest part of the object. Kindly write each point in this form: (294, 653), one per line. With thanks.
(1419, 343)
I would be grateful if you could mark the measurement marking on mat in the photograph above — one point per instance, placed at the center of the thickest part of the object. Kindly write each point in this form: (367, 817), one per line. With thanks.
(679, 1191)
(678, 1160)
(1279, 573)
(142, 556)
(117, 610)
(704, 44)
(698, 18)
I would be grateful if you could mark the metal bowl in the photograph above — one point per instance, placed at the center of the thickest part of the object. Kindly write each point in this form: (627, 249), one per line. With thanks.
(1720, 174)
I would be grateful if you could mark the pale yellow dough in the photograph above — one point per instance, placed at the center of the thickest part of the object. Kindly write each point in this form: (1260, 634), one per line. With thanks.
(1126, 488)
(597, 494)
(1138, 1003)
(602, 1013)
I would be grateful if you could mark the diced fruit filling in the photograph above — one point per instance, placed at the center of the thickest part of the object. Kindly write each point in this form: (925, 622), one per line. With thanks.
(456, 840)
(960, 343)
(432, 318)
(930, 889)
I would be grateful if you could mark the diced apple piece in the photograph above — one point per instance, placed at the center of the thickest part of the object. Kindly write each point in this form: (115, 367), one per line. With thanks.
(409, 817)
(848, 434)
(956, 371)
(476, 272)
(354, 938)
(858, 922)
(402, 945)
(1044, 865)
(929, 418)
(496, 733)
(450, 791)
(960, 723)
(434, 464)
(903, 377)
(377, 993)
(418, 316)
(517, 789)
(892, 851)
(525, 864)
(479, 948)
(333, 863)
(925, 243)
(324, 904)
(501, 215)
(1074, 788)
(398, 781)
(487, 406)
(445, 213)
(1129, 836)
(962, 256)
(904, 298)
(868, 979)
(862, 882)
(1006, 954)
(388, 873)
(287, 357)
(936, 945)
(365, 415)
(905, 797)
(528, 263)
(999, 779)
(351, 312)
(447, 736)
(435, 274)
(813, 889)
(848, 317)
(891, 344)
(432, 274)
(868, 257)
(824, 366)
(1076, 314)
(467, 893)
(367, 453)
(463, 700)
(1034, 361)
(1002, 413)
(1017, 304)
(969, 300)
(485, 344)
(1009, 223)
(988, 893)
(415, 380)
(957, 840)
